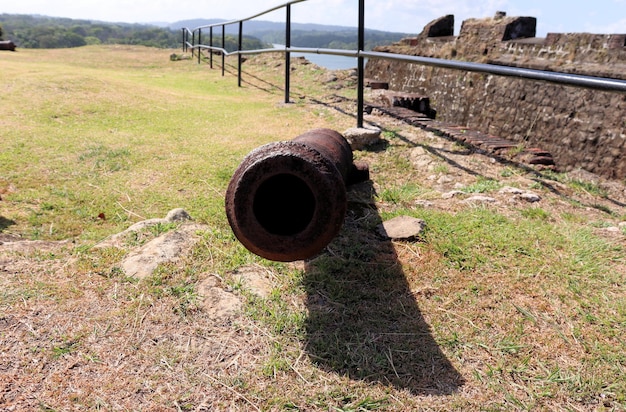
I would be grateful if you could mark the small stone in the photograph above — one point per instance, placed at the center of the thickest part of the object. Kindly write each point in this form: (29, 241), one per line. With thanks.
(418, 151)
(584, 176)
(254, 279)
(420, 158)
(480, 199)
(177, 215)
(451, 194)
(330, 78)
(445, 179)
(177, 57)
(511, 190)
(622, 225)
(217, 302)
(530, 197)
(402, 227)
(423, 203)
(499, 15)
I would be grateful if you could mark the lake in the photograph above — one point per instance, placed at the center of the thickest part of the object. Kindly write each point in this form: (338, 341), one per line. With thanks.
(327, 61)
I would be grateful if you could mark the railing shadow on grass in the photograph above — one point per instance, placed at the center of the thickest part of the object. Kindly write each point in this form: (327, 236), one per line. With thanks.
(259, 83)
(364, 321)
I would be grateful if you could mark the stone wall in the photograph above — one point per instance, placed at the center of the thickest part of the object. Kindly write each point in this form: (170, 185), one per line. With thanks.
(582, 128)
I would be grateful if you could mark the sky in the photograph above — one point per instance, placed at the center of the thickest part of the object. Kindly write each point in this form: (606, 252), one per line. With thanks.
(406, 16)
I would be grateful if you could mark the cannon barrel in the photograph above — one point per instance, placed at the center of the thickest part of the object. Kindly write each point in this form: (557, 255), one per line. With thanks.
(287, 200)
(7, 45)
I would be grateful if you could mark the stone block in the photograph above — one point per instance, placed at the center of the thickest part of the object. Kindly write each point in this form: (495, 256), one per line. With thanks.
(362, 137)
(441, 27)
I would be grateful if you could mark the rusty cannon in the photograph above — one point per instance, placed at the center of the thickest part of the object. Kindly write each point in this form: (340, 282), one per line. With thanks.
(287, 200)
(7, 45)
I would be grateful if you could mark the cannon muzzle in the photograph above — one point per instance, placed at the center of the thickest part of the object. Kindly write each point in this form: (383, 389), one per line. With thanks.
(287, 200)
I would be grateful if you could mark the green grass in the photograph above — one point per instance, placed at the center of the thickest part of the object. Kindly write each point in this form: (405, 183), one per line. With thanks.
(401, 195)
(503, 307)
(535, 213)
(483, 185)
(130, 144)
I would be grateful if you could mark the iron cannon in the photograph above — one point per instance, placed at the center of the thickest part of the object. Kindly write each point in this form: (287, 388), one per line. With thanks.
(7, 45)
(287, 200)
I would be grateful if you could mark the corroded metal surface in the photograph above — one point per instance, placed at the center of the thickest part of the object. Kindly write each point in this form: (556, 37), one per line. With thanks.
(287, 200)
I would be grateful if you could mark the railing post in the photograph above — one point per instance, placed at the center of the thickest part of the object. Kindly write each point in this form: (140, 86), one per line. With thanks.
(193, 43)
(223, 47)
(287, 53)
(239, 57)
(183, 33)
(199, 43)
(360, 68)
(211, 45)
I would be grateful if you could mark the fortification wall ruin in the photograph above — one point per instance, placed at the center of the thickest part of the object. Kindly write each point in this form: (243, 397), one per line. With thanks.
(582, 128)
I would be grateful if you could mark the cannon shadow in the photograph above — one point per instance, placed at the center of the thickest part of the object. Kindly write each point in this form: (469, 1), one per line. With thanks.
(364, 322)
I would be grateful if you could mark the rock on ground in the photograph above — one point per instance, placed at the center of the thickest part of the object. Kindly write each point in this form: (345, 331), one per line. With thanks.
(362, 137)
(402, 227)
(218, 302)
(254, 279)
(165, 248)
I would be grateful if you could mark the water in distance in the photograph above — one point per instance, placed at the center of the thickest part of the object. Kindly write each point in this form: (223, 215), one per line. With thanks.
(330, 62)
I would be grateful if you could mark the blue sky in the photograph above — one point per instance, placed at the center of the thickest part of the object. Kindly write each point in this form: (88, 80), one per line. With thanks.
(410, 16)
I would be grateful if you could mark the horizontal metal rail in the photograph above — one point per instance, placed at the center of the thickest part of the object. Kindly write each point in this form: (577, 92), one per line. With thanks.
(591, 82)
(578, 80)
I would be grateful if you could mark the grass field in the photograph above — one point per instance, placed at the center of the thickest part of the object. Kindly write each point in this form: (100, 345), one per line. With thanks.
(501, 305)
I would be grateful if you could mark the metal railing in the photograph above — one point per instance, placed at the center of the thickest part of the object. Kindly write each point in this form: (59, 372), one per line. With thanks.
(590, 82)
(239, 52)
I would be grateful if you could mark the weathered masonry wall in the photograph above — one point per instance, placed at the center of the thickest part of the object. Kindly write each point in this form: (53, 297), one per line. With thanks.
(581, 128)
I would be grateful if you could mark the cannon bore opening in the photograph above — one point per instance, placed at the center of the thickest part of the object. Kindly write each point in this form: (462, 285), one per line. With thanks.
(287, 200)
(284, 205)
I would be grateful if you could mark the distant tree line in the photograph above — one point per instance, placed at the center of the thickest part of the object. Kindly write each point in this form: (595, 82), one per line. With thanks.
(39, 32)
(305, 34)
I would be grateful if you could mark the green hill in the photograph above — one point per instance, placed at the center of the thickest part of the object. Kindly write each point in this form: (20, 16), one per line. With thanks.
(42, 32)
(302, 34)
